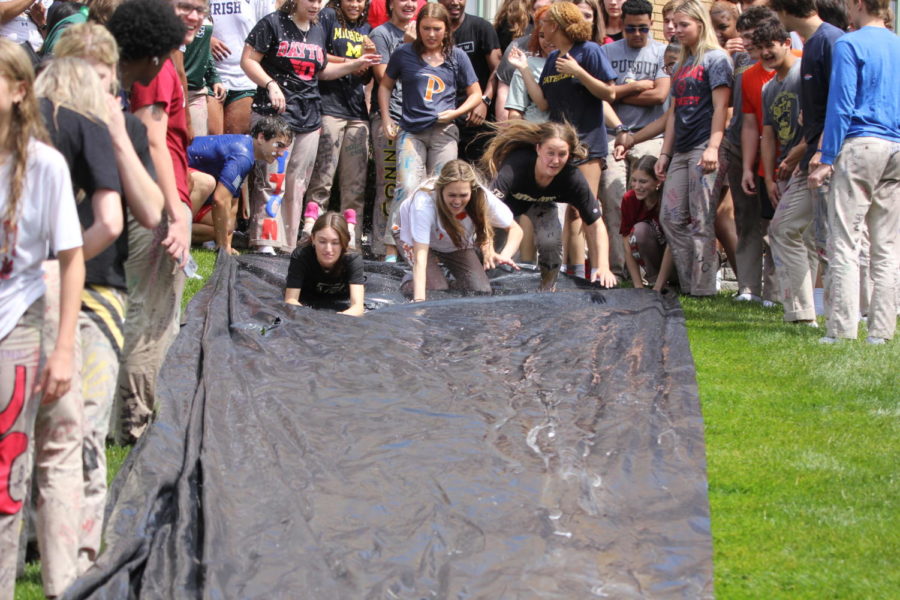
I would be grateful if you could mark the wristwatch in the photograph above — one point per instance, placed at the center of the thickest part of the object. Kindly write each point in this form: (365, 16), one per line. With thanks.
(486, 99)
(622, 128)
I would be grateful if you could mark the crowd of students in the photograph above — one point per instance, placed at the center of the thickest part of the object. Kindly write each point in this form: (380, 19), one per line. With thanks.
(561, 135)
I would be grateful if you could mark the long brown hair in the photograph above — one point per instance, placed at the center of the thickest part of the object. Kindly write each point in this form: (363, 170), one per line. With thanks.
(515, 14)
(25, 124)
(598, 27)
(519, 133)
(433, 10)
(460, 171)
(339, 224)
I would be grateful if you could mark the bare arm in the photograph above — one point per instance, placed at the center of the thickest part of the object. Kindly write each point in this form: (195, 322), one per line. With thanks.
(599, 89)
(665, 155)
(292, 296)
(473, 99)
(598, 251)
(56, 377)
(338, 70)
(493, 259)
(11, 10)
(420, 251)
(520, 62)
(108, 222)
(633, 269)
(156, 120)
(357, 296)
(749, 146)
(650, 97)
(767, 156)
(384, 102)
(665, 270)
(143, 196)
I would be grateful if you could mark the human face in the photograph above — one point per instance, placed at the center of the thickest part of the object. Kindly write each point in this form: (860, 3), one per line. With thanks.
(306, 10)
(456, 8)
(643, 184)
(432, 33)
(586, 12)
(105, 72)
(724, 26)
(772, 55)
(552, 156)
(687, 30)
(352, 9)
(191, 13)
(749, 47)
(270, 150)
(636, 30)
(403, 10)
(328, 247)
(456, 196)
(670, 58)
(613, 8)
(669, 26)
(546, 45)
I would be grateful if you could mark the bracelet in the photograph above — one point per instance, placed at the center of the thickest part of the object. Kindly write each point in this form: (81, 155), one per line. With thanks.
(665, 154)
(270, 82)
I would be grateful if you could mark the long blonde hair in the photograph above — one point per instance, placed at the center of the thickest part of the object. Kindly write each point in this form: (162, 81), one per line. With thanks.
(707, 40)
(515, 14)
(455, 171)
(74, 84)
(25, 124)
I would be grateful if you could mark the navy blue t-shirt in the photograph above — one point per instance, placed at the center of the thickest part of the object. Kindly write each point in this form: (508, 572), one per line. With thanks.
(428, 91)
(228, 158)
(293, 59)
(344, 98)
(815, 73)
(570, 100)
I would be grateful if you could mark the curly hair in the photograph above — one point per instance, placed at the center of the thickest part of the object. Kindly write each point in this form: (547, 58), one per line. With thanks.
(146, 29)
(342, 20)
(570, 21)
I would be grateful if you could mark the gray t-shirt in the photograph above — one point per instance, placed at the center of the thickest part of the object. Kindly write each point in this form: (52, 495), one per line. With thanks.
(692, 87)
(387, 37)
(781, 110)
(742, 62)
(635, 64)
(518, 98)
(505, 71)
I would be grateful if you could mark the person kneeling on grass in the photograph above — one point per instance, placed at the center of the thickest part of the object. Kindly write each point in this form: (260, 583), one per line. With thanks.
(322, 273)
(443, 222)
(642, 236)
(219, 164)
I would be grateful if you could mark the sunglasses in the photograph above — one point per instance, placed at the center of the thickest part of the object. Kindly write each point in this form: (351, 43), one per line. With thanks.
(637, 28)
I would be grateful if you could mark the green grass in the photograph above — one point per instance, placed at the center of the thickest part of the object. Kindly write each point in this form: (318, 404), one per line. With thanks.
(802, 443)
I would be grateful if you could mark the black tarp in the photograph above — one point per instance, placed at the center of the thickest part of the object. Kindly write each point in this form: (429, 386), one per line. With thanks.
(516, 446)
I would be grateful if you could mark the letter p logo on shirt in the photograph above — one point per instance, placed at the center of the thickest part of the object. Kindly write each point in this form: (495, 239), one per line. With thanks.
(435, 86)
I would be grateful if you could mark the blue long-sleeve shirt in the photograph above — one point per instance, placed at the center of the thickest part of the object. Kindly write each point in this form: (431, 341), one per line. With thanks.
(864, 94)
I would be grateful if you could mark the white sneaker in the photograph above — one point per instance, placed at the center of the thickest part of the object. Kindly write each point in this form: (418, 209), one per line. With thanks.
(828, 340)
(210, 245)
(265, 250)
(747, 297)
(875, 341)
(768, 304)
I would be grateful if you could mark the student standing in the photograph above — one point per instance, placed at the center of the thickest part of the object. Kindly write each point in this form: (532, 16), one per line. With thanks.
(861, 153)
(689, 160)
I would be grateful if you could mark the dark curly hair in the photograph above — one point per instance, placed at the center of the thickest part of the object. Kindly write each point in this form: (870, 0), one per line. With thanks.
(146, 29)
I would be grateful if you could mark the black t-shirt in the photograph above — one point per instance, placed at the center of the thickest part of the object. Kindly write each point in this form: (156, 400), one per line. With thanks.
(319, 287)
(815, 74)
(516, 186)
(293, 59)
(88, 150)
(477, 38)
(344, 98)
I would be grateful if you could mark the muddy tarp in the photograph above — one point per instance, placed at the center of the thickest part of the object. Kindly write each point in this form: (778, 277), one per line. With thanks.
(516, 446)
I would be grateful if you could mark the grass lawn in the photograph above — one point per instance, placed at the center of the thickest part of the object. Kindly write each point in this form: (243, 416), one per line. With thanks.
(803, 448)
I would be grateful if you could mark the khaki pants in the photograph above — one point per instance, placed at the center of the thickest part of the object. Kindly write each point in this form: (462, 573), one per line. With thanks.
(155, 286)
(613, 185)
(688, 217)
(343, 149)
(20, 356)
(385, 158)
(276, 195)
(101, 346)
(58, 459)
(865, 189)
(796, 261)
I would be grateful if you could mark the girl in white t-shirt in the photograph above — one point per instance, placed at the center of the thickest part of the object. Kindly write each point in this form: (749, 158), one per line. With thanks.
(444, 222)
(37, 216)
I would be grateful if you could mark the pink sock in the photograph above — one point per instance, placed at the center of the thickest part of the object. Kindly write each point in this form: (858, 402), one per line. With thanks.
(312, 211)
(350, 216)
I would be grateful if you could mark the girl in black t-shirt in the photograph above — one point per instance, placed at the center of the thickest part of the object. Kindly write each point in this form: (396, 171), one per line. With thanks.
(530, 164)
(285, 56)
(322, 273)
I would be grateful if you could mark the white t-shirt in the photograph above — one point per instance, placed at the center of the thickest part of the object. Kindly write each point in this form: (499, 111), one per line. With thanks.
(419, 222)
(232, 22)
(22, 29)
(47, 221)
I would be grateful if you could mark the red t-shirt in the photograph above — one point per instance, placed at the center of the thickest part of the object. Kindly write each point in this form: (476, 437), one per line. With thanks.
(166, 89)
(634, 212)
(378, 14)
